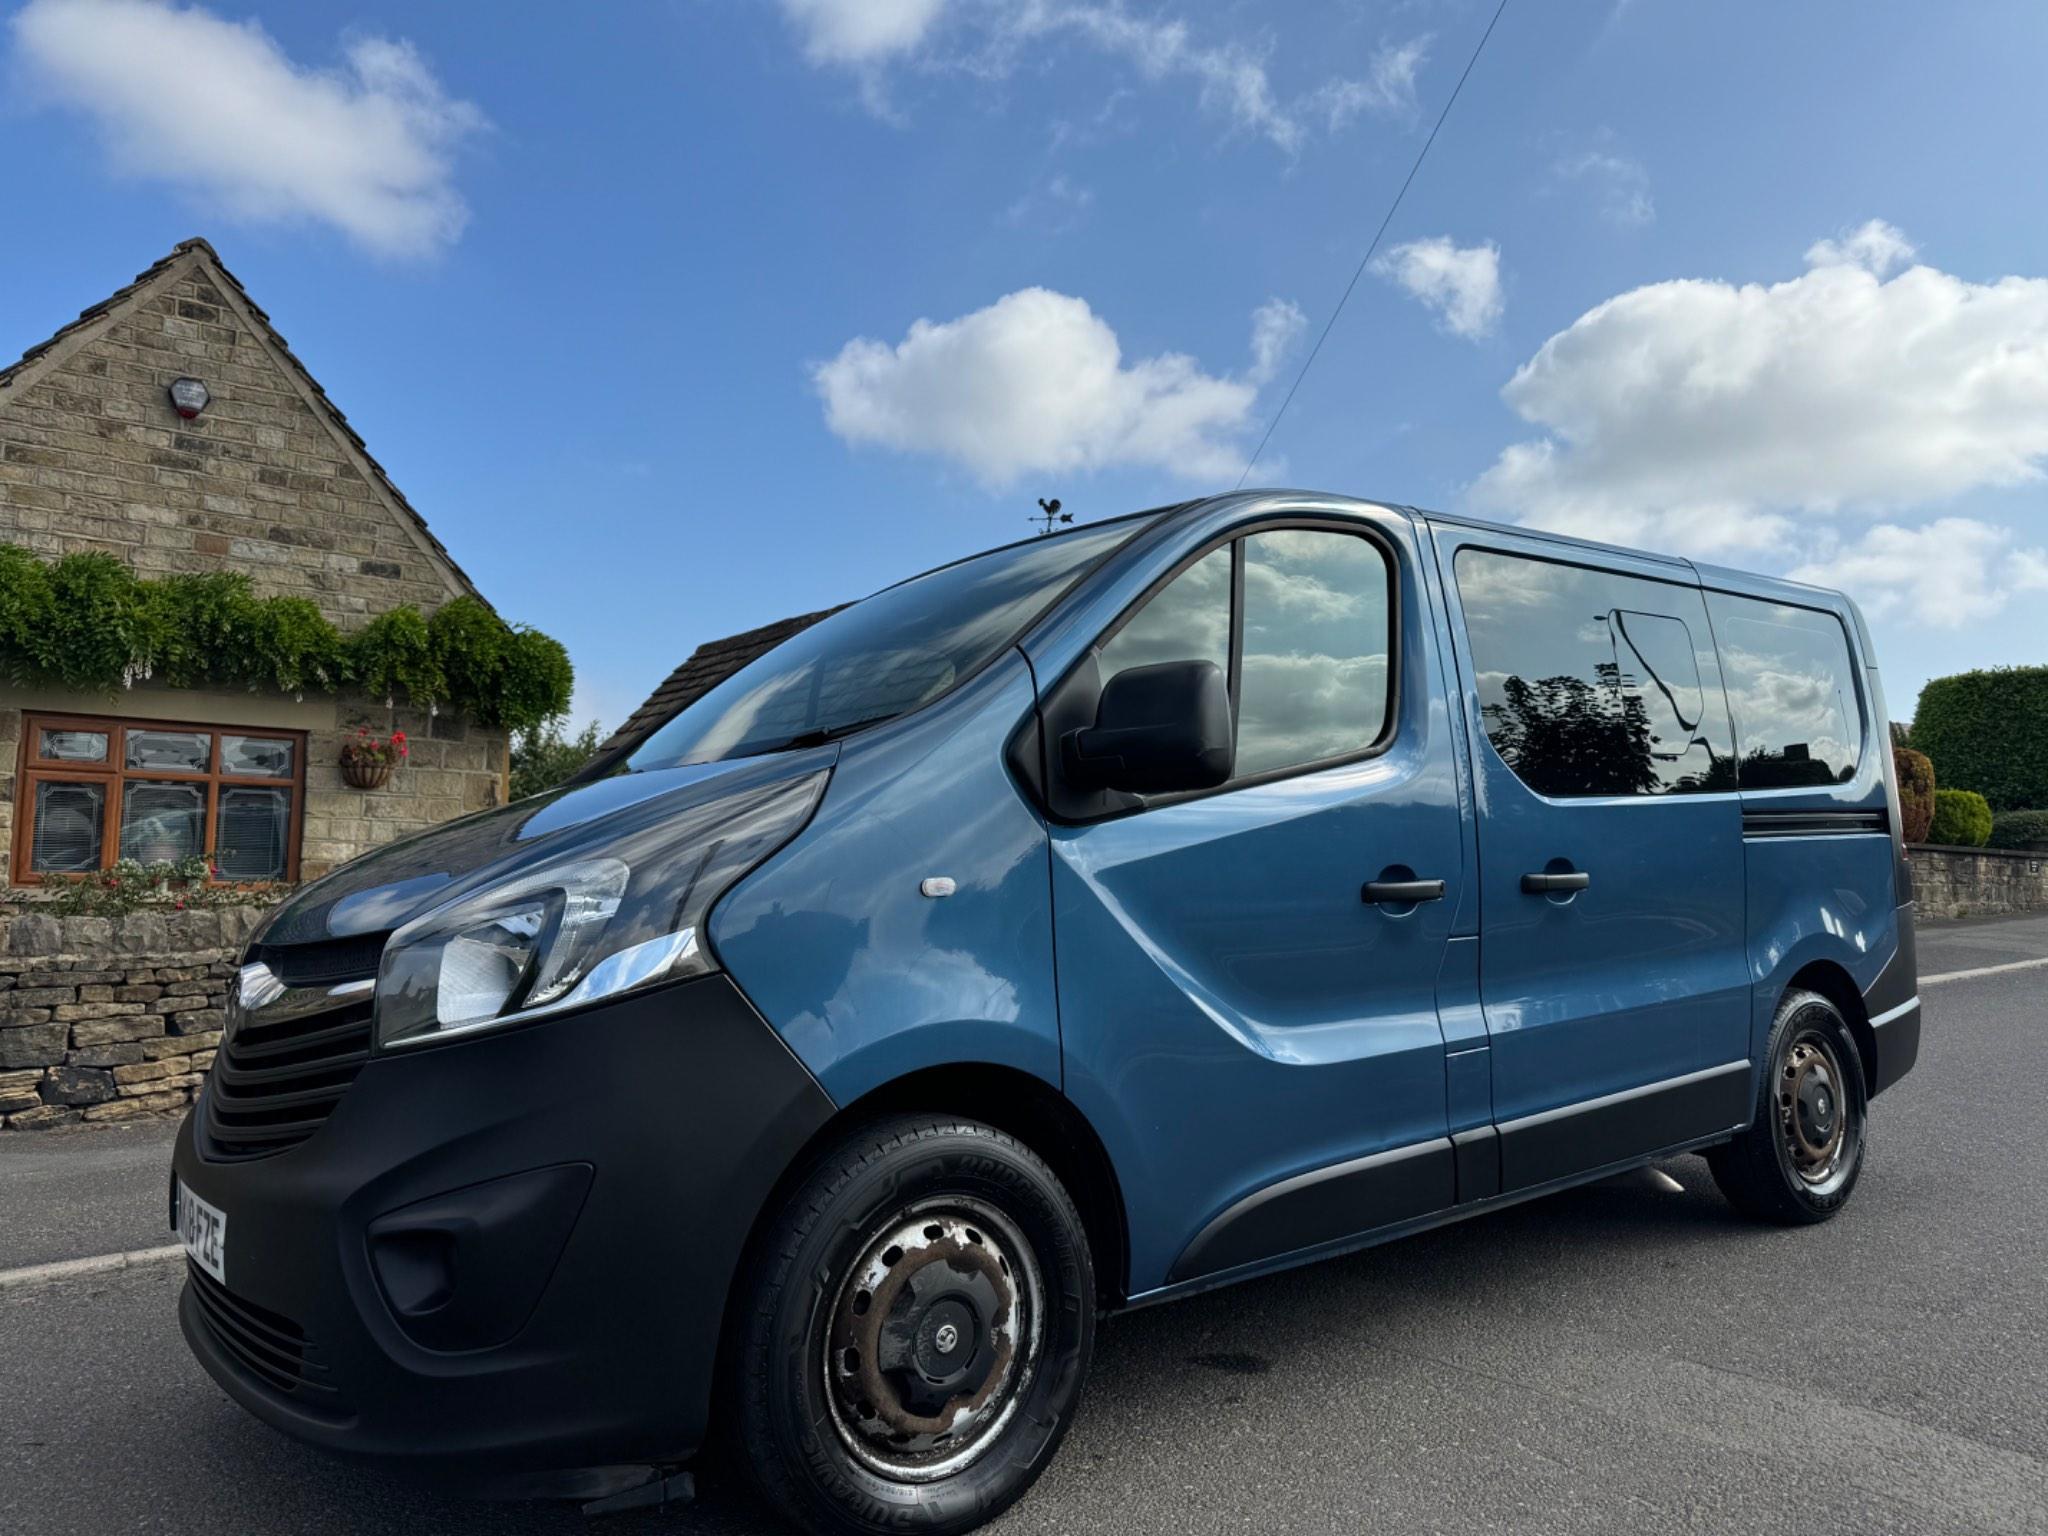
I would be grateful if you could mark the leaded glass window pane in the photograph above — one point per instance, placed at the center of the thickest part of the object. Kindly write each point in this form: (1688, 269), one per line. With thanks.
(73, 746)
(254, 824)
(69, 819)
(179, 751)
(162, 823)
(255, 757)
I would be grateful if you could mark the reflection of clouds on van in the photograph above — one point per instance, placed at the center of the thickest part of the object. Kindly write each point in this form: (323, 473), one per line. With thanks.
(1314, 670)
(1792, 690)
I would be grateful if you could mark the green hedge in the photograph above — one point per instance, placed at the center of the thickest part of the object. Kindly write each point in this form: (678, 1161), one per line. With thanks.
(2019, 829)
(88, 624)
(1916, 792)
(1988, 731)
(1961, 819)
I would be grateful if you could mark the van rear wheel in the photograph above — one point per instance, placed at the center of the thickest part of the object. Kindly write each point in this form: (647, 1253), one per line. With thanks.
(918, 1321)
(1800, 1158)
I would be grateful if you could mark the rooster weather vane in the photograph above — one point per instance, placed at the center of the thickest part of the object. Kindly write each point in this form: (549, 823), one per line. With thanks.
(1050, 516)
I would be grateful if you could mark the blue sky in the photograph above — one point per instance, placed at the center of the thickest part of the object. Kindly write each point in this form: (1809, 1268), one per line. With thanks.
(677, 318)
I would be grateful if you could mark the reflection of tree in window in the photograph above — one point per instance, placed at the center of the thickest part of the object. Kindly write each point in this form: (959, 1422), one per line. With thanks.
(1586, 689)
(1565, 736)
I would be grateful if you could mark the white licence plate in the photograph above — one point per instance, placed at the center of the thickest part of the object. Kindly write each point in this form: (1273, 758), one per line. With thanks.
(203, 1229)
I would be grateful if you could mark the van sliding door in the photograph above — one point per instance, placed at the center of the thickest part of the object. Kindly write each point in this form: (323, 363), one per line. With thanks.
(1612, 967)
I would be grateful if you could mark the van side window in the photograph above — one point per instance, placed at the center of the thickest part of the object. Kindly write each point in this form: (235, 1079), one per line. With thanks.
(1313, 682)
(1792, 691)
(1187, 620)
(1592, 682)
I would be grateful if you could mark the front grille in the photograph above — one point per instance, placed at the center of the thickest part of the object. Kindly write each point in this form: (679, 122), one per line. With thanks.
(274, 1082)
(271, 1348)
(322, 962)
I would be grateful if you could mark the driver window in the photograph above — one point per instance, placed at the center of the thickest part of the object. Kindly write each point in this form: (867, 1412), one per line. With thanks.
(1188, 620)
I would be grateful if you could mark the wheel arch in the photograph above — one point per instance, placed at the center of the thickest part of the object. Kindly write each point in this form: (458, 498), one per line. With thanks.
(1013, 1101)
(1834, 983)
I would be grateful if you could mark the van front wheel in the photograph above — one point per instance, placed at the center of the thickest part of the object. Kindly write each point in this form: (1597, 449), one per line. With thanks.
(1799, 1160)
(917, 1322)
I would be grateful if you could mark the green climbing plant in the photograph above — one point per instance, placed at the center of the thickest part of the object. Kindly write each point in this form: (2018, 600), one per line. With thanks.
(86, 623)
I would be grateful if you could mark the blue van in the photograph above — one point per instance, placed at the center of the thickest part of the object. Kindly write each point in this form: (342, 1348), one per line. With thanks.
(1075, 927)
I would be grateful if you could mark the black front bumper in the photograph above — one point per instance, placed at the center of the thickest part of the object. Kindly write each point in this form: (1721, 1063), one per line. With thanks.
(508, 1257)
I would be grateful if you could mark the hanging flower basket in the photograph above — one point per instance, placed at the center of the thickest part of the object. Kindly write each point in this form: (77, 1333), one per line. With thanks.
(367, 762)
(361, 773)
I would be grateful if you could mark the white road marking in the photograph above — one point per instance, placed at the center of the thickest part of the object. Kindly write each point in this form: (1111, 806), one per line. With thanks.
(98, 1264)
(1982, 970)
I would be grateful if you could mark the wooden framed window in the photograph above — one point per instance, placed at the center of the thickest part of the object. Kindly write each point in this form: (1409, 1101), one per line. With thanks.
(94, 790)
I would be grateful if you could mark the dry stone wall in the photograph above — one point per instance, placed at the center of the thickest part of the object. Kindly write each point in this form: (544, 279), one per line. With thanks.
(108, 1018)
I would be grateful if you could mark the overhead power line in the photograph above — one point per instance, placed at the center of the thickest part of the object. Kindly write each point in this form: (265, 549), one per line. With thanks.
(1364, 261)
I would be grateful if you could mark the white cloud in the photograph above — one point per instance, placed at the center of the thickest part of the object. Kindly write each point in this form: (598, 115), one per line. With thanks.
(1461, 283)
(1623, 184)
(988, 38)
(214, 106)
(1945, 574)
(1388, 87)
(1277, 325)
(1877, 247)
(860, 32)
(1745, 421)
(1037, 382)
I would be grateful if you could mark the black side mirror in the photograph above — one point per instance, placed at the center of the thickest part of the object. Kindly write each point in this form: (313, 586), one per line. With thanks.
(1158, 730)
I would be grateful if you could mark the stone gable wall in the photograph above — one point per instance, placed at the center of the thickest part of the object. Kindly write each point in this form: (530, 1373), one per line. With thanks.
(93, 456)
(108, 1018)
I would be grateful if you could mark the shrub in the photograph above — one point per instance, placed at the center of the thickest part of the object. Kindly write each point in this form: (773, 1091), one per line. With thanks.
(2019, 829)
(1962, 819)
(1916, 792)
(1988, 731)
(546, 754)
(87, 623)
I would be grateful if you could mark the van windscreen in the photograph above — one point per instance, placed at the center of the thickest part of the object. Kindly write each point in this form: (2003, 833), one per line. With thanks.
(892, 653)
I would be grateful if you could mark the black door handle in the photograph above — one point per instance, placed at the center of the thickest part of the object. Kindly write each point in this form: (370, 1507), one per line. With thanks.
(1540, 885)
(1391, 891)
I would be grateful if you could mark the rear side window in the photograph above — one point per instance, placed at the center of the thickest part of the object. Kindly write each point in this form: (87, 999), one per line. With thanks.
(1592, 682)
(1791, 690)
(1311, 631)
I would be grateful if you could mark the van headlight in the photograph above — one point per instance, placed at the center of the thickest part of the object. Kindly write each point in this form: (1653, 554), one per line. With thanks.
(585, 927)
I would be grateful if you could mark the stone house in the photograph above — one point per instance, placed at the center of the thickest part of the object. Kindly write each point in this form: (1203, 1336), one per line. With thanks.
(267, 478)
(254, 471)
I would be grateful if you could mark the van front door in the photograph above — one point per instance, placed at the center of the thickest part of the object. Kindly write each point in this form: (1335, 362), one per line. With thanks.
(1613, 975)
(1253, 1033)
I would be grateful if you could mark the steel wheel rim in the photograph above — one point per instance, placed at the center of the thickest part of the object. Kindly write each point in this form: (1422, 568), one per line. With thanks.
(947, 1282)
(1816, 1113)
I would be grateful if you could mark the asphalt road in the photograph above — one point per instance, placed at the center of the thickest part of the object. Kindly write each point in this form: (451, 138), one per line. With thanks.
(1622, 1358)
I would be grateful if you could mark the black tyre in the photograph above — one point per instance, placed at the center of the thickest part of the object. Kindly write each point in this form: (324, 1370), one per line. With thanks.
(916, 1325)
(1800, 1158)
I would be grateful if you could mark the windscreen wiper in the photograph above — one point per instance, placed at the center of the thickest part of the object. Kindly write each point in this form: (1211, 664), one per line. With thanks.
(821, 735)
